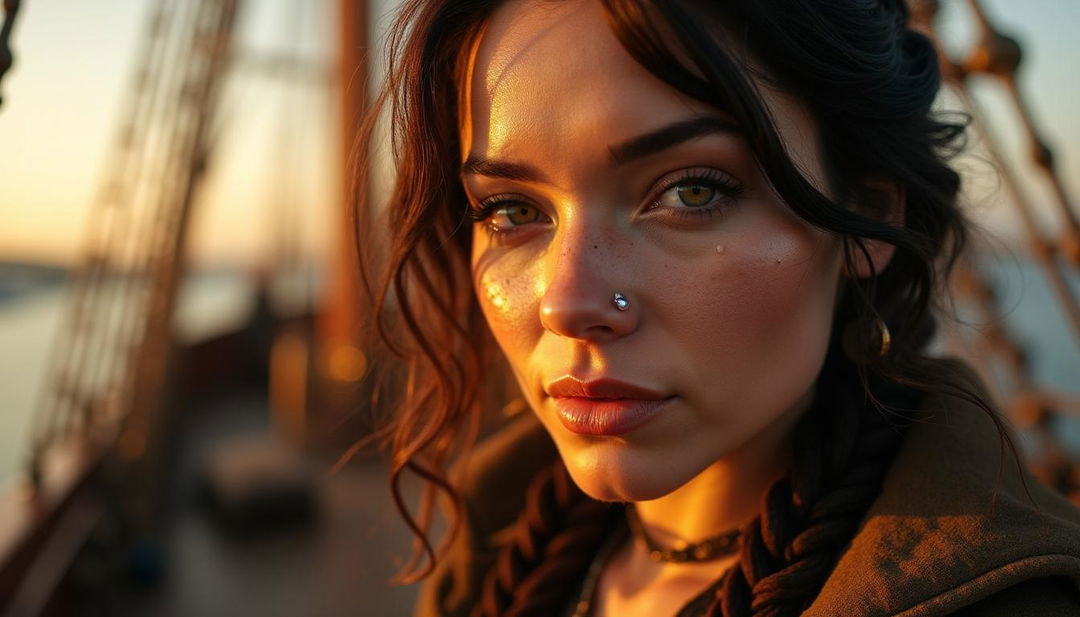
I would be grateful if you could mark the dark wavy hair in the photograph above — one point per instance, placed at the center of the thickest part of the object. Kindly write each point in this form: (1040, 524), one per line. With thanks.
(869, 81)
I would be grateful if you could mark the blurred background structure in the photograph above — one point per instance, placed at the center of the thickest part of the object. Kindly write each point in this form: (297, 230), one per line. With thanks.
(180, 341)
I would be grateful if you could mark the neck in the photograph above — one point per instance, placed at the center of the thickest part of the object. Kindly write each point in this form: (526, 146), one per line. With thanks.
(728, 493)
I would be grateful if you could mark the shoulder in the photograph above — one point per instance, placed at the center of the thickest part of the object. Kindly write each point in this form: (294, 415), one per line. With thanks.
(959, 520)
(492, 483)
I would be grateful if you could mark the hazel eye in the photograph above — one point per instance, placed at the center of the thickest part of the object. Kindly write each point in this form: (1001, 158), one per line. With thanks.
(506, 215)
(692, 196)
(515, 215)
(696, 191)
(695, 195)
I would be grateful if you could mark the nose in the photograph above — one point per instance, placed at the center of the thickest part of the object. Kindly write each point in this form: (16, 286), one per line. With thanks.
(584, 276)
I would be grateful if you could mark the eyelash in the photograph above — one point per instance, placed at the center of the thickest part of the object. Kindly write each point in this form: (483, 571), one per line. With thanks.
(483, 211)
(728, 189)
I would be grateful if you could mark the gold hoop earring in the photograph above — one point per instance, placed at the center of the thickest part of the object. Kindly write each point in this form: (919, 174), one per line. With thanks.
(886, 338)
(860, 342)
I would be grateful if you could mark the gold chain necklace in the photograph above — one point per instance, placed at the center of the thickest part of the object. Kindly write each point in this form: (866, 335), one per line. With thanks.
(587, 595)
(696, 552)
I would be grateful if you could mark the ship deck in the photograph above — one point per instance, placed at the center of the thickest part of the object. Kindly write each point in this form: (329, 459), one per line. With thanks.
(337, 563)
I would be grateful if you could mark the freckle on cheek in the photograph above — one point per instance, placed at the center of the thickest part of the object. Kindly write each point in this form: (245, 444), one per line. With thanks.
(781, 248)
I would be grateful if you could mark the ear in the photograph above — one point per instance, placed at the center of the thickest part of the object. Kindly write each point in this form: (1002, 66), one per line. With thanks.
(883, 199)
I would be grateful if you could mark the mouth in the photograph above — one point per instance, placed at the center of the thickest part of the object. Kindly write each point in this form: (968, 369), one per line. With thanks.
(604, 407)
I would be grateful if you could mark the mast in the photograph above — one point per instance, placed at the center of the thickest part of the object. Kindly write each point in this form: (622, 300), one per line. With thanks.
(340, 361)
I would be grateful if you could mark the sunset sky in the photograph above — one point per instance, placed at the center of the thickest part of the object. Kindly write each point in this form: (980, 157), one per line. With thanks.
(73, 63)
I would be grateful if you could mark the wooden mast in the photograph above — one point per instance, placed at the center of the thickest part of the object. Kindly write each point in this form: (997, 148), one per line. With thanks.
(341, 363)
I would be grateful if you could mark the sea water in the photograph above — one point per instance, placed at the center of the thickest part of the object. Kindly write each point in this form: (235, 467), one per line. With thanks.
(210, 303)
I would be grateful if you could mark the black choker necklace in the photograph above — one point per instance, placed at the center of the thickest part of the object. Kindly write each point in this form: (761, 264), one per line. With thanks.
(707, 550)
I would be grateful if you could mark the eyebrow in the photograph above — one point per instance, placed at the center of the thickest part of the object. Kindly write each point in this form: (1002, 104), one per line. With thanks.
(503, 169)
(638, 147)
(669, 136)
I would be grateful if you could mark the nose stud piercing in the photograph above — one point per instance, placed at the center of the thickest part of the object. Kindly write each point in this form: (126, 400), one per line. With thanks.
(621, 302)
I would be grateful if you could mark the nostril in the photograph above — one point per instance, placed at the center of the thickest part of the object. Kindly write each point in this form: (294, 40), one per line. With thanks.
(586, 315)
(594, 331)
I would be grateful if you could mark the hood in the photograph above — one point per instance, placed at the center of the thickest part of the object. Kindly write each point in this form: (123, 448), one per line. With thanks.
(937, 538)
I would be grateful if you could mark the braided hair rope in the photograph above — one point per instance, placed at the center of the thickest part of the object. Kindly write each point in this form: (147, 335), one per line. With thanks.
(548, 551)
(843, 448)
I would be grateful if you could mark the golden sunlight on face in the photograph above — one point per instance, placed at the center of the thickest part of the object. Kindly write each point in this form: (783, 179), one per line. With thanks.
(593, 178)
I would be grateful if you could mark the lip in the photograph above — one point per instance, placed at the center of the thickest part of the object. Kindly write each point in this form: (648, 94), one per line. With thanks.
(604, 407)
(605, 388)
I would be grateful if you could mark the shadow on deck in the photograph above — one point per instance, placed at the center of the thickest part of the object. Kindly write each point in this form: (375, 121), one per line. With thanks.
(337, 561)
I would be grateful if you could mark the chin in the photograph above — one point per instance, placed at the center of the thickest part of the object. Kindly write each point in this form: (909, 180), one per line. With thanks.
(613, 472)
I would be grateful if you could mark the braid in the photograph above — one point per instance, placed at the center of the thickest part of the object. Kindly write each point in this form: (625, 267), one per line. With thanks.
(548, 550)
(842, 450)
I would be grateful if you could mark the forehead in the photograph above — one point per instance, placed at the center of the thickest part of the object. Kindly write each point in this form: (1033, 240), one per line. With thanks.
(544, 68)
(547, 75)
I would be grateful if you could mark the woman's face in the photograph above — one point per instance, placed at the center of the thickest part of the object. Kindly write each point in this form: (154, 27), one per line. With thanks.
(604, 180)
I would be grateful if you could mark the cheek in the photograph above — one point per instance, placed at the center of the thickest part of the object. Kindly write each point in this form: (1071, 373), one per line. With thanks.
(759, 310)
(787, 282)
(508, 289)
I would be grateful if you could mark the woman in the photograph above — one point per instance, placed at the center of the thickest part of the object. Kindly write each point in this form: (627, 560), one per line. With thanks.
(707, 240)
